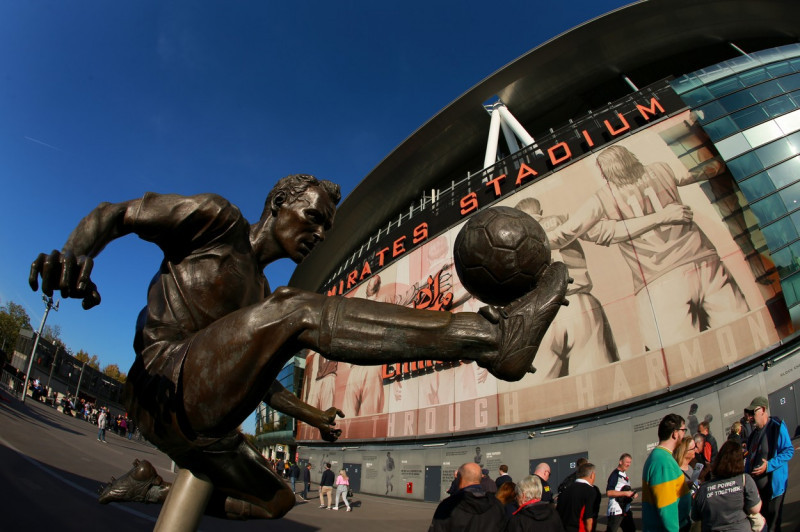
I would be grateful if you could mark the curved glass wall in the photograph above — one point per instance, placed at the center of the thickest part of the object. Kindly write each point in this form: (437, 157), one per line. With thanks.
(750, 109)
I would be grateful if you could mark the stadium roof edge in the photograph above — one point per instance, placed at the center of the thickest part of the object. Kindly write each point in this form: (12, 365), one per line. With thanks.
(562, 78)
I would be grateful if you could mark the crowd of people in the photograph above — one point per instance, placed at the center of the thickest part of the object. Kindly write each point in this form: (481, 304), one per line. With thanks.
(688, 484)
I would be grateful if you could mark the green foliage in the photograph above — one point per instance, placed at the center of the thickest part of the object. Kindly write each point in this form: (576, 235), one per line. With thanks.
(112, 370)
(91, 361)
(52, 333)
(12, 318)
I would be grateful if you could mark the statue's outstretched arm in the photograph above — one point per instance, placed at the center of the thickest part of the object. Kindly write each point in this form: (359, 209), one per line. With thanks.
(70, 269)
(285, 401)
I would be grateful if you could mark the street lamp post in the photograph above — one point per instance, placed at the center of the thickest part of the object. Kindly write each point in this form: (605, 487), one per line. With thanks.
(78, 389)
(52, 368)
(48, 301)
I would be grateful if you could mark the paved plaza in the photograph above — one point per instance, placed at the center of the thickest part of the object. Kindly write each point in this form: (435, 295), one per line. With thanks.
(51, 465)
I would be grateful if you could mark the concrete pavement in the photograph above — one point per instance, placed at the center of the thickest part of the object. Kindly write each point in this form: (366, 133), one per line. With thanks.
(51, 465)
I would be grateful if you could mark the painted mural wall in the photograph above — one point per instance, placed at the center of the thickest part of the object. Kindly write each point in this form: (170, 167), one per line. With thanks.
(668, 288)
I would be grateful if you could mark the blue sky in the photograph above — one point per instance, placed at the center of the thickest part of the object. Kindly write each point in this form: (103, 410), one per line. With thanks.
(103, 101)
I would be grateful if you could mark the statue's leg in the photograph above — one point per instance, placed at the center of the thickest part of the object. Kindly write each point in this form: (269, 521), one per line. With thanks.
(230, 364)
(504, 340)
(244, 485)
(141, 484)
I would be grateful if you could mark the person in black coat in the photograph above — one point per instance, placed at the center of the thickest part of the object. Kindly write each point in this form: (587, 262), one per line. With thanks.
(470, 509)
(306, 481)
(533, 513)
(576, 506)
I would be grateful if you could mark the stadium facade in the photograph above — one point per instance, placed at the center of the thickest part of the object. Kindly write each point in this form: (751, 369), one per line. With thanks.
(659, 146)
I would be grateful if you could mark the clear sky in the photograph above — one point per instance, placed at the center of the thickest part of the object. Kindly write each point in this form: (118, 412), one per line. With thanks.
(103, 101)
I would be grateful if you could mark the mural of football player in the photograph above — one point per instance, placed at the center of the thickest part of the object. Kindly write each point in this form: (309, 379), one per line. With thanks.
(363, 394)
(324, 375)
(580, 339)
(388, 468)
(678, 276)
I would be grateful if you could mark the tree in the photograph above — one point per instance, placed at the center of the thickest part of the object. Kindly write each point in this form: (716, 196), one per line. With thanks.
(52, 333)
(12, 318)
(92, 361)
(112, 370)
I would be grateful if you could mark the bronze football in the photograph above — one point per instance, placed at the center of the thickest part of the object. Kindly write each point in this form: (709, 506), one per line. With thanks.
(500, 253)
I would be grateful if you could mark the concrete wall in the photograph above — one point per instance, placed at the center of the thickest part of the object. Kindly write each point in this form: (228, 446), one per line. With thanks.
(603, 440)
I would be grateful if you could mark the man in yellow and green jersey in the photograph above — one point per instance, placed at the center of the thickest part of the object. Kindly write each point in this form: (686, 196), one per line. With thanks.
(666, 498)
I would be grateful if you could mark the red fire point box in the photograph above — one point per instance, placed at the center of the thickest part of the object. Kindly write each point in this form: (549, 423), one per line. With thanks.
(409, 487)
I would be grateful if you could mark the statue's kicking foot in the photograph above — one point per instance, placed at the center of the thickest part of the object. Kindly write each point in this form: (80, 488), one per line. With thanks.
(524, 322)
(140, 484)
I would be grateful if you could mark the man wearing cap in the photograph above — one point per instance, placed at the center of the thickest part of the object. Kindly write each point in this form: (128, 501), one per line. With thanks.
(487, 484)
(769, 451)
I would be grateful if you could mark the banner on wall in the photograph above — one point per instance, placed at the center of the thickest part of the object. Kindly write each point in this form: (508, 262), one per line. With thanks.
(669, 286)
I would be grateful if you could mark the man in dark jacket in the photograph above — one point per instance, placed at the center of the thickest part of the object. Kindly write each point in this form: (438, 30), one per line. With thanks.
(326, 486)
(470, 509)
(294, 474)
(487, 484)
(576, 506)
(769, 451)
(504, 476)
(306, 481)
(533, 513)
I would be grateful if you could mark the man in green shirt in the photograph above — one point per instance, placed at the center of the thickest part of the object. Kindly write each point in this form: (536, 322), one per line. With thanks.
(666, 499)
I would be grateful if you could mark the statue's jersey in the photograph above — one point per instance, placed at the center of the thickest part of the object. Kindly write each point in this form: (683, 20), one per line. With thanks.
(209, 271)
(653, 253)
(209, 268)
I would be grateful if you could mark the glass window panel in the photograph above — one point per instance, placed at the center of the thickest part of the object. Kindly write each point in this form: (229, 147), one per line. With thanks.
(774, 152)
(790, 122)
(763, 133)
(779, 69)
(766, 90)
(779, 233)
(791, 197)
(790, 83)
(746, 165)
(710, 111)
(791, 289)
(720, 129)
(795, 64)
(780, 106)
(697, 96)
(725, 86)
(794, 314)
(750, 117)
(737, 100)
(787, 261)
(757, 186)
(794, 142)
(769, 208)
(754, 76)
(785, 173)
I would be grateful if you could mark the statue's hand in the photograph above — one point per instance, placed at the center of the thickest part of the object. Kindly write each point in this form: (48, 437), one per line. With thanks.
(65, 272)
(327, 424)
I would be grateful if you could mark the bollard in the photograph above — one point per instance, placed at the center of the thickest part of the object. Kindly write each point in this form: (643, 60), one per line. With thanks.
(185, 504)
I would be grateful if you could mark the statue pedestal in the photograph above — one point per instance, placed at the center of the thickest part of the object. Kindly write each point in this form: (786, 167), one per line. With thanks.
(185, 504)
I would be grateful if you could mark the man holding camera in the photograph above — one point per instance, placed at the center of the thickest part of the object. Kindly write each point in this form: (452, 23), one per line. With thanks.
(620, 495)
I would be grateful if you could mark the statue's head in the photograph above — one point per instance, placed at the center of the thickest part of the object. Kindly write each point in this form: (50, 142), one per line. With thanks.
(303, 208)
(291, 187)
